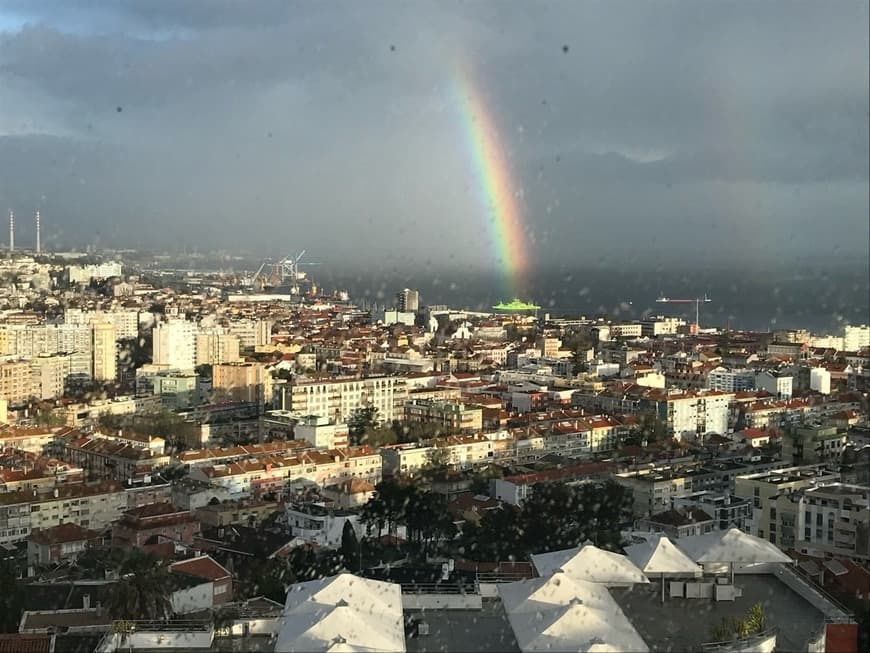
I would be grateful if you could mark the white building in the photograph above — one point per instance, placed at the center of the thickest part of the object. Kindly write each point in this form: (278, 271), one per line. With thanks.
(725, 380)
(820, 380)
(83, 274)
(856, 337)
(779, 385)
(338, 399)
(104, 350)
(175, 344)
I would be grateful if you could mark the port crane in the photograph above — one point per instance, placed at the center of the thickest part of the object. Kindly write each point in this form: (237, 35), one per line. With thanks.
(287, 269)
(697, 301)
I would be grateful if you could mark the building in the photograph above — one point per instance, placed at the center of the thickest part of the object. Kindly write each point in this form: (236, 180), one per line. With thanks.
(178, 390)
(654, 490)
(820, 380)
(695, 413)
(320, 432)
(725, 380)
(763, 488)
(93, 506)
(174, 344)
(684, 521)
(216, 346)
(808, 444)
(251, 333)
(408, 301)
(727, 511)
(33, 440)
(52, 545)
(339, 399)
(109, 459)
(833, 520)
(138, 526)
(461, 451)
(856, 337)
(83, 274)
(779, 385)
(50, 372)
(242, 382)
(104, 351)
(16, 382)
(450, 416)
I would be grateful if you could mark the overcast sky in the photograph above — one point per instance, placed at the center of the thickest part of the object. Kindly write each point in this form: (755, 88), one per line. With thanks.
(637, 129)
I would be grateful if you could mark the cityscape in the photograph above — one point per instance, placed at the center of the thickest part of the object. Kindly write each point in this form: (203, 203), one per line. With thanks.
(429, 327)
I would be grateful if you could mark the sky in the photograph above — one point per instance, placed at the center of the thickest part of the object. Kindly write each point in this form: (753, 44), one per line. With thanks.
(632, 131)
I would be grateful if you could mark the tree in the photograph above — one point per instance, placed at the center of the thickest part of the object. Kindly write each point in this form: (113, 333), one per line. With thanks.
(360, 421)
(48, 417)
(350, 546)
(379, 437)
(11, 598)
(142, 589)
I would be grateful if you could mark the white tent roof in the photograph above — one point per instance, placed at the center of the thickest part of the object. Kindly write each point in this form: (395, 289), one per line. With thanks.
(575, 627)
(732, 545)
(342, 613)
(591, 564)
(551, 591)
(361, 593)
(659, 555)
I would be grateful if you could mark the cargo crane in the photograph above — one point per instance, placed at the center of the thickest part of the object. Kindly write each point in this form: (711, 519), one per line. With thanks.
(697, 301)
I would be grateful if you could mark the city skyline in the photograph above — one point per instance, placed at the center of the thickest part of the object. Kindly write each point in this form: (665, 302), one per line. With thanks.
(639, 132)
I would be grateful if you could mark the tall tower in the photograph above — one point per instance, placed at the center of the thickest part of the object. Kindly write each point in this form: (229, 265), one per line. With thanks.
(11, 231)
(38, 249)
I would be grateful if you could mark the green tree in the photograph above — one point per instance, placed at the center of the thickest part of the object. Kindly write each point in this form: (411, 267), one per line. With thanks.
(48, 417)
(142, 589)
(360, 421)
(379, 437)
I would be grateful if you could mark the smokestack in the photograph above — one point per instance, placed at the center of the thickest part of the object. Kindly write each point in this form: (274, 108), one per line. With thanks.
(38, 249)
(11, 231)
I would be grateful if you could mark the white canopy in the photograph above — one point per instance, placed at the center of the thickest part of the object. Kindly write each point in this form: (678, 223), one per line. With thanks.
(731, 546)
(575, 627)
(660, 556)
(342, 613)
(548, 592)
(591, 564)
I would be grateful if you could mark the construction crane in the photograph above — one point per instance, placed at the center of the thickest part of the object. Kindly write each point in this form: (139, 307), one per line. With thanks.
(284, 271)
(697, 301)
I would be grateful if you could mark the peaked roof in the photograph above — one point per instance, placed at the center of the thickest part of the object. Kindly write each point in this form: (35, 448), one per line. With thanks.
(575, 627)
(550, 591)
(732, 545)
(590, 563)
(342, 613)
(659, 555)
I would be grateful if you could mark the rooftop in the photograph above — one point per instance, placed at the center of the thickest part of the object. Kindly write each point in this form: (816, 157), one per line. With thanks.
(664, 626)
(464, 630)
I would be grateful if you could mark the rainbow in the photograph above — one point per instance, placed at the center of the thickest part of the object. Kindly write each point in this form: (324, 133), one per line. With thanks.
(493, 177)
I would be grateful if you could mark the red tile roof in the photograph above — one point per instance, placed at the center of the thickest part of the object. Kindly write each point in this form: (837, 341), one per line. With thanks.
(202, 567)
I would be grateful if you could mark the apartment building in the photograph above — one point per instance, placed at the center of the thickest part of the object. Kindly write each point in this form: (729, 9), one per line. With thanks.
(242, 382)
(811, 444)
(833, 520)
(138, 526)
(110, 459)
(33, 440)
(462, 451)
(16, 381)
(93, 506)
(339, 399)
(216, 346)
(450, 416)
(104, 340)
(653, 490)
(726, 380)
(50, 372)
(694, 413)
(174, 344)
(252, 478)
(763, 488)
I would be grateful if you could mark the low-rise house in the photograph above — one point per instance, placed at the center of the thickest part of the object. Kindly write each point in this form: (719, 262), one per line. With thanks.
(224, 513)
(215, 586)
(679, 522)
(51, 545)
(136, 527)
(351, 493)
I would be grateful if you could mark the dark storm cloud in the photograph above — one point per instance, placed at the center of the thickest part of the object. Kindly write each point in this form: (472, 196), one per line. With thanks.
(334, 124)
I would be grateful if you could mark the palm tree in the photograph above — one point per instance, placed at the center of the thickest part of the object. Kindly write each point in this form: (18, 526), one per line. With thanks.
(142, 590)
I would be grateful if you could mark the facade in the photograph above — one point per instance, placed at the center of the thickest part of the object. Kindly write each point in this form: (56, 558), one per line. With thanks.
(695, 413)
(110, 459)
(216, 346)
(242, 382)
(450, 416)
(779, 385)
(137, 526)
(462, 452)
(16, 382)
(339, 399)
(856, 337)
(177, 390)
(725, 380)
(833, 520)
(50, 372)
(320, 432)
(52, 545)
(104, 349)
(174, 343)
(820, 380)
(653, 490)
(93, 506)
(408, 301)
(806, 445)
(251, 333)
(764, 488)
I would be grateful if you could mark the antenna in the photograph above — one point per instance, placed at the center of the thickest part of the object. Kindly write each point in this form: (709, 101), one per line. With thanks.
(11, 231)
(38, 248)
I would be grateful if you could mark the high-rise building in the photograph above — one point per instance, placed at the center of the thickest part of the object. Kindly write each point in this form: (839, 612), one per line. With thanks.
(174, 344)
(16, 382)
(408, 301)
(103, 339)
(216, 346)
(251, 333)
(249, 382)
(50, 372)
(856, 337)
